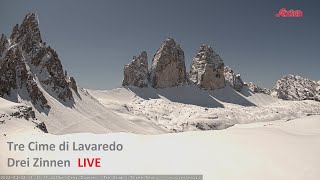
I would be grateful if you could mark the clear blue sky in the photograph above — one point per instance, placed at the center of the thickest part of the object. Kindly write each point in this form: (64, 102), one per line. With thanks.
(94, 39)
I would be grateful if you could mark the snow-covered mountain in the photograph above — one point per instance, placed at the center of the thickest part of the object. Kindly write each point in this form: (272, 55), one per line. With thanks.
(291, 87)
(31, 74)
(29, 67)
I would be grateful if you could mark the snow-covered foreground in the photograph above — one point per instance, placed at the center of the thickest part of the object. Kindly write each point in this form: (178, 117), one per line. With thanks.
(278, 150)
(12, 120)
(189, 108)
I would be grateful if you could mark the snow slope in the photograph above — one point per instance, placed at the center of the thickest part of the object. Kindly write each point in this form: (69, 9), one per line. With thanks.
(12, 123)
(86, 114)
(189, 108)
(267, 151)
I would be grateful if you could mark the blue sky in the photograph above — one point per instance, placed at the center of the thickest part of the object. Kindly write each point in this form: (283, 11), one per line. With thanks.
(94, 39)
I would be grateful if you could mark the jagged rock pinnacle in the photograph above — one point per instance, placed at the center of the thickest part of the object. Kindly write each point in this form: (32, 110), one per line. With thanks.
(3, 44)
(168, 66)
(234, 80)
(28, 34)
(136, 73)
(28, 65)
(207, 69)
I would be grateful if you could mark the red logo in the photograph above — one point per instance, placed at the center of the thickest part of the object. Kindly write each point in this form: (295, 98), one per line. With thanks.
(289, 13)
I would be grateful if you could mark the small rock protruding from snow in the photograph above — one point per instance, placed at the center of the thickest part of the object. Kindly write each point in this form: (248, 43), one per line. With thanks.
(168, 66)
(207, 69)
(136, 73)
(234, 80)
(42, 127)
(291, 87)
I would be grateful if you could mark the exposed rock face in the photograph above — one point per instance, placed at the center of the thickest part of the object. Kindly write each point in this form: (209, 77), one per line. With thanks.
(136, 73)
(234, 80)
(24, 112)
(256, 89)
(51, 74)
(73, 84)
(3, 44)
(207, 69)
(28, 65)
(8, 66)
(28, 34)
(168, 66)
(42, 127)
(291, 87)
(15, 75)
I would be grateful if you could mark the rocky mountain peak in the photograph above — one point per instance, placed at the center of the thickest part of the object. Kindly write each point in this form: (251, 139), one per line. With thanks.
(15, 32)
(29, 67)
(291, 87)
(28, 34)
(234, 80)
(144, 56)
(170, 42)
(136, 73)
(207, 69)
(168, 66)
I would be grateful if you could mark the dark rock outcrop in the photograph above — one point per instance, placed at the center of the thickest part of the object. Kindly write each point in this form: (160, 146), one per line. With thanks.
(28, 34)
(42, 127)
(73, 84)
(4, 43)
